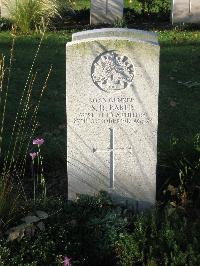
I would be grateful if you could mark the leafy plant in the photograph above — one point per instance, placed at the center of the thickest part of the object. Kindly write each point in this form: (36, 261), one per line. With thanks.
(93, 231)
(126, 250)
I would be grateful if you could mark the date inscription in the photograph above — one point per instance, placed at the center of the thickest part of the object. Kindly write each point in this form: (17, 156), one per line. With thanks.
(113, 110)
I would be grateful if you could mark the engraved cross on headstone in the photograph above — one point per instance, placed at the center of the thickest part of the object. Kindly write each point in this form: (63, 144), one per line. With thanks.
(112, 152)
(107, 7)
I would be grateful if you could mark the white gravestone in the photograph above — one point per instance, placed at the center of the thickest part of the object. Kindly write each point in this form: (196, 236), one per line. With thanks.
(185, 11)
(106, 11)
(112, 86)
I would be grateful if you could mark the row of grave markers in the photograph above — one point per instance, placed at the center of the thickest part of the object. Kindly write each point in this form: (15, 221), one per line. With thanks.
(111, 11)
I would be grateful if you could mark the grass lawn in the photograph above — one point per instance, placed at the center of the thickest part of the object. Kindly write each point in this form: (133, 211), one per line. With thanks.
(179, 90)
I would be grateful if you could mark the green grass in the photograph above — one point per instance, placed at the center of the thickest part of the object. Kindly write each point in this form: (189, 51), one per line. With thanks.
(179, 64)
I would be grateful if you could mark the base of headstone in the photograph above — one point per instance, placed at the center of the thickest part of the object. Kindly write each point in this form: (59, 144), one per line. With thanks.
(129, 203)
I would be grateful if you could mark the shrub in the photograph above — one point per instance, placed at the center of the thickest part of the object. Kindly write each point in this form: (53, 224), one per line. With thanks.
(32, 15)
(160, 7)
(84, 231)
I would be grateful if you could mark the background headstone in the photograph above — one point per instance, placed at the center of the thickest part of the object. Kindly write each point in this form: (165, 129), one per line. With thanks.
(4, 7)
(185, 11)
(112, 88)
(106, 11)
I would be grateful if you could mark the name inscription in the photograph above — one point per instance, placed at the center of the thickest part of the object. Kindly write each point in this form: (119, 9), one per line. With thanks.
(113, 110)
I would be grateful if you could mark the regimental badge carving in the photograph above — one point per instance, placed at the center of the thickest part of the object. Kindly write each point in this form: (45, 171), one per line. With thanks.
(112, 72)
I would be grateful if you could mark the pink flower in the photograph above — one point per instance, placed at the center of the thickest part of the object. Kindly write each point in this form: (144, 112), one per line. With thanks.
(33, 155)
(38, 142)
(66, 261)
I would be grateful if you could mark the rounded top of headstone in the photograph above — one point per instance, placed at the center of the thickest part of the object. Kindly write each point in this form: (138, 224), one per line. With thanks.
(116, 32)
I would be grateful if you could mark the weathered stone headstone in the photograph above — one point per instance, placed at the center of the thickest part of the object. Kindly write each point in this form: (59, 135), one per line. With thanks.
(106, 11)
(4, 8)
(112, 88)
(185, 11)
